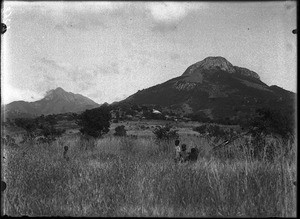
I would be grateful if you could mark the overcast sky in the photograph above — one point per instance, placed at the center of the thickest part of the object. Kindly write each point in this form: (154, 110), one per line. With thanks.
(110, 50)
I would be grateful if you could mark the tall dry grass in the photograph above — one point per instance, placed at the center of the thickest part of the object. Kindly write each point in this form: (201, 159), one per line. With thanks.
(137, 177)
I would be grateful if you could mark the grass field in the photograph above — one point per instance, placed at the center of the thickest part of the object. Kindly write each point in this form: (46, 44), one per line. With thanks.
(124, 176)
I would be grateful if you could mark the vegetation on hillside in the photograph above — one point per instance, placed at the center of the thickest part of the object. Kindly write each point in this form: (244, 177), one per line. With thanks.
(95, 122)
(40, 126)
(165, 133)
(120, 131)
(126, 177)
(253, 175)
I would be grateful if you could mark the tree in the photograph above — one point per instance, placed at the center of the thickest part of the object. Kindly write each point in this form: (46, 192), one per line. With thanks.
(120, 131)
(50, 132)
(165, 133)
(29, 125)
(201, 129)
(269, 121)
(95, 122)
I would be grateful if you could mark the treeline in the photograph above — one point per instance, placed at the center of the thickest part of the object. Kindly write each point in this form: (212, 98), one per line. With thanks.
(96, 122)
(40, 126)
(264, 123)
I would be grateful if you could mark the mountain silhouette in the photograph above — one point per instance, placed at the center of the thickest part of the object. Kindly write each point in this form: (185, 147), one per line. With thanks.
(215, 88)
(55, 101)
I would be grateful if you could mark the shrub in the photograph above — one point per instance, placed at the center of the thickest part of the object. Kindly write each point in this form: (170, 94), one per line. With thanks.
(269, 122)
(50, 132)
(120, 131)
(216, 131)
(165, 133)
(29, 125)
(201, 129)
(199, 116)
(95, 122)
(212, 130)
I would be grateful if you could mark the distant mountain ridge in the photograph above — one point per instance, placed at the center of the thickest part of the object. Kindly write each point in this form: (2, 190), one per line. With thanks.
(212, 88)
(55, 101)
(215, 88)
(218, 63)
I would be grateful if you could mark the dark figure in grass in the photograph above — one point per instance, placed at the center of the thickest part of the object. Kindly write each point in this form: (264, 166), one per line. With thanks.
(193, 155)
(65, 153)
(183, 154)
(177, 151)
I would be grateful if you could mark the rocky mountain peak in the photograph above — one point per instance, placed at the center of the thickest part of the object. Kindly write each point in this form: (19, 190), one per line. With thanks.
(58, 92)
(55, 101)
(211, 62)
(216, 63)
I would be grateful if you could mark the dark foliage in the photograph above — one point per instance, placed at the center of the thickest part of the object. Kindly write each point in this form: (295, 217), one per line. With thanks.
(201, 129)
(95, 122)
(199, 117)
(193, 155)
(50, 132)
(120, 131)
(42, 125)
(269, 121)
(28, 124)
(211, 130)
(165, 133)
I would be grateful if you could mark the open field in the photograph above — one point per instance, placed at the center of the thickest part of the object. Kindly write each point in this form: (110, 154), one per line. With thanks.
(125, 176)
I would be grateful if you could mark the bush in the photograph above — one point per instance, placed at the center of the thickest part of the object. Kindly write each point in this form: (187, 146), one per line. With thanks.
(29, 125)
(212, 130)
(165, 133)
(199, 117)
(120, 131)
(201, 129)
(50, 132)
(95, 122)
(216, 131)
(269, 121)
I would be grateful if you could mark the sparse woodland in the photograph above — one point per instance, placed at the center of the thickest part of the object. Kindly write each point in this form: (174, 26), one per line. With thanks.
(254, 175)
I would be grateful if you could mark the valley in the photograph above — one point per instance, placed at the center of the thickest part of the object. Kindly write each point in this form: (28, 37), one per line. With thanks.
(69, 156)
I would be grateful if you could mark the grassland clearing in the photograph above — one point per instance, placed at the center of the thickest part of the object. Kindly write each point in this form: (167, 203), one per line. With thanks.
(124, 176)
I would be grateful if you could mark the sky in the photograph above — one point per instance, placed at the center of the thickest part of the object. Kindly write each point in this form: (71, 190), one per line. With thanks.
(107, 51)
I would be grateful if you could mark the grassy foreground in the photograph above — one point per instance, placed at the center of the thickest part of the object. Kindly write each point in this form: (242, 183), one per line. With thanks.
(137, 177)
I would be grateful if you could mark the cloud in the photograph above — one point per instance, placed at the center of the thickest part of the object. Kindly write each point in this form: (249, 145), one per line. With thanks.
(10, 93)
(112, 68)
(66, 15)
(53, 64)
(52, 74)
(168, 15)
(86, 16)
(168, 12)
(94, 94)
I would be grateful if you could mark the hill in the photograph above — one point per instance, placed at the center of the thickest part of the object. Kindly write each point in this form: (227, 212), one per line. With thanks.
(213, 88)
(55, 101)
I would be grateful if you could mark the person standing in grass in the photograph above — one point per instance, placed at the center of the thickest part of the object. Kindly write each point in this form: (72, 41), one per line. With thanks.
(193, 155)
(177, 150)
(183, 154)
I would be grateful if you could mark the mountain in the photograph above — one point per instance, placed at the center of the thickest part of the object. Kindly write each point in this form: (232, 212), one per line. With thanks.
(215, 89)
(55, 101)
